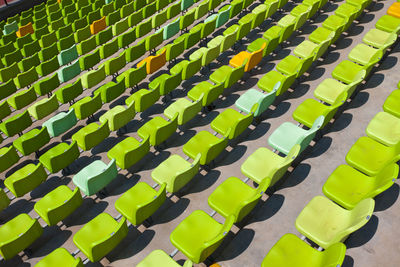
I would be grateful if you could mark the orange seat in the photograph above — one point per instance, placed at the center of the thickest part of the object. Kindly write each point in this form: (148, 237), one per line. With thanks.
(153, 63)
(253, 59)
(98, 25)
(394, 10)
(24, 30)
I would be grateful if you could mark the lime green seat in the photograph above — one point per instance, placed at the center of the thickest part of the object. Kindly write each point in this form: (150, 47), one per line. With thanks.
(27, 78)
(7, 89)
(91, 135)
(347, 186)
(185, 109)
(87, 106)
(175, 172)
(93, 77)
(388, 24)
(47, 85)
(60, 123)
(370, 156)
(32, 141)
(160, 258)
(290, 250)
(347, 71)
(322, 34)
(392, 103)
(16, 124)
(227, 75)
(9, 73)
(263, 163)
(99, 236)
(25, 179)
(293, 64)
(60, 257)
(384, 128)
(143, 99)
(59, 156)
(118, 116)
(158, 129)
(22, 98)
(133, 76)
(199, 235)
(18, 234)
(379, 39)
(270, 79)
(4, 200)
(166, 83)
(208, 91)
(326, 223)
(43, 107)
(187, 68)
(8, 157)
(365, 55)
(129, 151)
(58, 204)
(140, 202)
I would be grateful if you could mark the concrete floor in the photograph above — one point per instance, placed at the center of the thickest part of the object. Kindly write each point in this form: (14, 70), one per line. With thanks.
(373, 245)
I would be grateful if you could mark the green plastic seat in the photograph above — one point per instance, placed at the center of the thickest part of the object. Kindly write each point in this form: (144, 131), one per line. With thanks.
(388, 24)
(87, 106)
(384, 128)
(322, 34)
(379, 39)
(9, 73)
(189, 68)
(59, 156)
(133, 76)
(27, 78)
(199, 235)
(207, 144)
(32, 141)
(326, 223)
(4, 200)
(227, 75)
(365, 55)
(270, 79)
(166, 83)
(29, 62)
(187, 19)
(185, 109)
(12, 57)
(292, 64)
(175, 172)
(60, 257)
(87, 45)
(370, 156)
(7, 89)
(100, 236)
(93, 77)
(235, 198)
(43, 107)
(10, 27)
(129, 151)
(49, 66)
(140, 202)
(392, 103)
(209, 91)
(8, 157)
(22, 98)
(67, 56)
(26, 179)
(308, 48)
(60, 123)
(118, 116)
(143, 99)
(69, 72)
(290, 250)
(69, 92)
(252, 96)
(160, 258)
(264, 163)
(287, 135)
(31, 48)
(91, 135)
(158, 129)
(111, 90)
(17, 234)
(16, 124)
(143, 28)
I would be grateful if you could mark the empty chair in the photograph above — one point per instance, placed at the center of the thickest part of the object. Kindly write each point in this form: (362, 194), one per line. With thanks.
(8, 157)
(199, 235)
(227, 75)
(171, 29)
(68, 55)
(43, 107)
(27, 78)
(159, 257)
(98, 25)
(185, 109)
(118, 116)
(22, 98)
(384, 128)
(91, 135)
(129, 151)
(153, 63)
(158, 129)
(95, 176)
(140, 202)
(209, 91)
(252, 59)
(93, 77)
(166, 83)
(59, 156)
(24, 30)
(392, 103)
(8, 73)
(16, 124)
(133, 76)
(60, 257)
(69, 72)
(4, 200)
(379, 39)
(17, 234)
(87, 106)
(10, 27)
(100, 235)
(143, 99)
(60, 123)
(388, 24)
(32, 141)
(290, 250)
(326, 223)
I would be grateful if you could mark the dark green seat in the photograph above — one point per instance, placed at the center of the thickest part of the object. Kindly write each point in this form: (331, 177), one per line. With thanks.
(69, 92)
(16, 124)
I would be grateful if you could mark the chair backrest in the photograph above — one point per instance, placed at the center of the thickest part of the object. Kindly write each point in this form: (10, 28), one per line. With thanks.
(93, 77)
(174, 10)
(98, 25)
(209, 26)
(159, 19)
(184, 176)
(235, 75)
(143, 28)
(121, 118)
(229, 40)
(93, 138)
(26, 78)
(111, 90)
(154, 40)
(310, 134)
(24, 30)
(67, 73)
(17, 123)
(136, 51)
(88, 108)
(175, 49)
(185, 4)
(149, 9)
(134, 76)
(223, 16)
(267, 100)
(63, 123)
(102, 178)
(202, 9)
(114, 65)
(210, 54)
(43, 107)
(10, 27)
(68, 55)
(153, 63)
(8, 73)
(7, 89)
(255, 58)
(120, 27)
(171, 29)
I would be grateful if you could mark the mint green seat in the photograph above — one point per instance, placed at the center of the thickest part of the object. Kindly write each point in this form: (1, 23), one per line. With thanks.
(326, 223)
(290, 250)
(17, 234)
(25, 179)
(199, 235)
(22, 98)
(143, 99)
(129, 151)
(59, 156)
(158, 257)
(140, 202)
(32, 141)
(384, 128)
(60, 123)
(60, 257)
(270, 79)
(8, 157)
(158, 129)
(10, 27)
(16, 124)
(99, 236)
(370, 156)
(347, 186)
(91, 135)
(235, 198)
(4, 200)
(69, 92)
(263, 163)
(185, 4)
(185, 109)
(379, 39)
(67, 56)
(227, 75)
(171, 29)
(392, 103)
(67, 73)
(87, 106)
(207, 144)
(287, 135)
(388, 24)
(175, 172)
(43, 107)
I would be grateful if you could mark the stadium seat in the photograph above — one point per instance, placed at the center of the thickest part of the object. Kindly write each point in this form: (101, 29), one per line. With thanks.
(32, 141)
(159, 257)
(60, 257)
(91, 135)
(392, 103)
(43, 107)
(60, 123)
(384, 128)
(8, 157)
(59, 156)
(16, 124)
(129, 151)
(158, 129)
(25, 179)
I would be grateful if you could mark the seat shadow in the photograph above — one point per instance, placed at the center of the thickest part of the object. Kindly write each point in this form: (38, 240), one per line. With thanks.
(49, 185)
(240, 242)
(200, 183)
(53, 237)
(266, 209)
(259, 131)
(296, 177)
(86, 212)
(15, 208)
(234, 155)
(387, 198)
(170, 211)
(348, 261)
(364, 234)
(341, 123)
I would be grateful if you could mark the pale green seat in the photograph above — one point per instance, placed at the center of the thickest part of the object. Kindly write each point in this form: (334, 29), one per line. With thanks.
(308, 48)
(87, 106)
(10, 27)
(209, 91)
(8, 157)
(347, 186)
(58, 204)
(171, 29)
(384, 128)
(370, 156)
(158, 129)
(166, 83)
(129, 151)
(91, 135)
(199, 235)
(326, 223)
(290, 250)
(223, 16)
(67, 56)
(322, 34)
(43, 107)
(69, 72)
(16, 124)
(119, 116)
(25, 179)
(22, 98)
(60, 123)
(175, 172)
(388, 24)
(4, 200)
(252, 96)
(235, 198)
(159, 258)
(227, 75)
(287, 135)
(60, 257)
(32, 141)
(185, 109)
(270, 79)
(379, 39)
(95, 176)
(263, 163)
(140, 202)
(100, 236)
(364, 54)
(392, 103)
(18, 234)
(59, 157)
